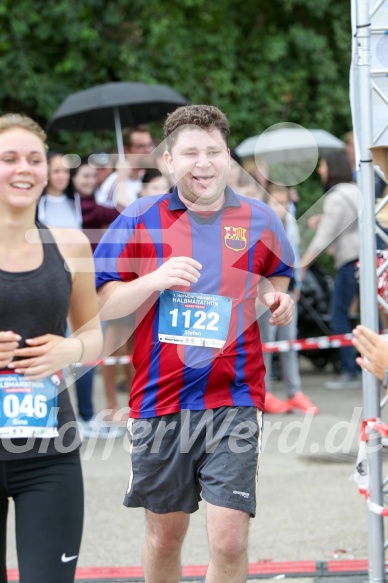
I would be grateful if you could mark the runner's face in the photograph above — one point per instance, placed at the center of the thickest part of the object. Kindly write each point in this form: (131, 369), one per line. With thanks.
(199, 159)
(23, 168)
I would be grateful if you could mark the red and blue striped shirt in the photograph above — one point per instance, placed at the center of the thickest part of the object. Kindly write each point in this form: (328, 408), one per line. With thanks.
(236, 245)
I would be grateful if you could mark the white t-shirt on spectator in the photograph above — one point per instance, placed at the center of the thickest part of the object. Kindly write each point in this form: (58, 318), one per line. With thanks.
(105, 195)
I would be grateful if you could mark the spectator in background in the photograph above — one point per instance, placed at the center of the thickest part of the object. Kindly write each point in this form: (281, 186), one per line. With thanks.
(338, 228)
(102, 162)
(294, 199)
(138, 145)
(241, 181)
(380, 184)
(160, 165)
(57, 207)
(235, 171)
(382, 216)
(95, 219)
(153, 183)
(279, 199)
(60, 206)
(249, 187)
(94, 216)
(258, 169)
(350, 153)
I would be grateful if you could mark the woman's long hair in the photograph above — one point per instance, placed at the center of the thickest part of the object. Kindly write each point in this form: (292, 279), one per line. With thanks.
(339, 169)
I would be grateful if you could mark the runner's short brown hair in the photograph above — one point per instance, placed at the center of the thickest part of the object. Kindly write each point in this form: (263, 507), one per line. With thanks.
(206, 117)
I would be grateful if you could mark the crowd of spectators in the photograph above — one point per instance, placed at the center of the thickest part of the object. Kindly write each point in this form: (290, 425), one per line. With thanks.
(92, 195)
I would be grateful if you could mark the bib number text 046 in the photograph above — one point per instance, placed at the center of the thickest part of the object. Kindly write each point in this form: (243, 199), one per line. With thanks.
(30, 406)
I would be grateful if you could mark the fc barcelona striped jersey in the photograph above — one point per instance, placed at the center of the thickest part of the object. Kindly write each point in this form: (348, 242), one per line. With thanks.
(236, 246)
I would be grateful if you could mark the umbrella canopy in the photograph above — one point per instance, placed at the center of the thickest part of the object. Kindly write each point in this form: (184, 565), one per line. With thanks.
(289, 144)
(93, 109)
(114, 105)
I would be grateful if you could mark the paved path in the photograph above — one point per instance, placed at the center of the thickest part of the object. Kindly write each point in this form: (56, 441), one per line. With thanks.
(308, 508)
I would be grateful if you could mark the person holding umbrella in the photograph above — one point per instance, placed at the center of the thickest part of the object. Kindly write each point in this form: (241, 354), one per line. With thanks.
(102, 162)
(138, 145)
(189, 265)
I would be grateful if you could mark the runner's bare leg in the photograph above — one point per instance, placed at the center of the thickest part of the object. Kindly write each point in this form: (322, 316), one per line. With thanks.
(161, 555)
(228, 542)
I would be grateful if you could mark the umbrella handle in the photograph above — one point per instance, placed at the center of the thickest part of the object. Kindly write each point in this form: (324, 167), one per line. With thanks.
(119, 135)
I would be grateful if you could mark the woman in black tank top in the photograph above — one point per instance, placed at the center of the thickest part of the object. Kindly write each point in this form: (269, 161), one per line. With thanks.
(42, 286)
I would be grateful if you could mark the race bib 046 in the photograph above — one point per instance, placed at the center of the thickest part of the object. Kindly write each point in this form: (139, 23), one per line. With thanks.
(194, 319)
(28, 408)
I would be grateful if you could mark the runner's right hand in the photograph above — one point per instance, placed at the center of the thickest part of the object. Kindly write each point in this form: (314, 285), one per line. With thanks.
(177, 271)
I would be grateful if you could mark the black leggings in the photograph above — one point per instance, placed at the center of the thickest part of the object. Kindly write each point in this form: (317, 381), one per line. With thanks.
(48, 496)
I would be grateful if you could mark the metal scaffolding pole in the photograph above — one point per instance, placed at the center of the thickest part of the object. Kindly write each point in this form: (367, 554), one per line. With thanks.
(368, 286)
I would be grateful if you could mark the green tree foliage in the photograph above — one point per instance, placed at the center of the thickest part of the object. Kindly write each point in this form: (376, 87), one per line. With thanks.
(261, 61)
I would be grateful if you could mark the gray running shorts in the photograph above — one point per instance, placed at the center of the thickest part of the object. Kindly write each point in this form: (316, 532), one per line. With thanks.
(179, 458)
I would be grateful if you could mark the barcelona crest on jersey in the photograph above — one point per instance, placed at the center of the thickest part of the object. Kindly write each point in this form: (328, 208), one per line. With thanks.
(235, 238)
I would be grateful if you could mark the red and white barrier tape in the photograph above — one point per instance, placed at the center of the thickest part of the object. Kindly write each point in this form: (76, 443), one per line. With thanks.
(361, 475)
(318, 343)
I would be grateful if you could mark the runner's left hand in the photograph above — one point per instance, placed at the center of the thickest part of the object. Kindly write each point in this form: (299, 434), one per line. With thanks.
(281, 306)
(45, 355)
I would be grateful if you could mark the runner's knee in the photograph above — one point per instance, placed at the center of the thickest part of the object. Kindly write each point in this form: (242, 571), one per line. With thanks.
(228, 541)
(166, 532)
(228, 547)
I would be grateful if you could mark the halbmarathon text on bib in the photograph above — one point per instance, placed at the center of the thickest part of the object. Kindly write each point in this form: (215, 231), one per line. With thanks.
(28, 408)
(194, 319)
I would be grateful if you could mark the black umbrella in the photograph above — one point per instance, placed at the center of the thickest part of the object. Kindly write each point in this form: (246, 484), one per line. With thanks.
(114, 105)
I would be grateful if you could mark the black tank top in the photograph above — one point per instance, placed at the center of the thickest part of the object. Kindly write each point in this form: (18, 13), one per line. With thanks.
(33, 303)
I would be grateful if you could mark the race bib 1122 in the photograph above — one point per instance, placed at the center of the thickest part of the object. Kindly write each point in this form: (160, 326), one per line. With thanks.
(194, 319)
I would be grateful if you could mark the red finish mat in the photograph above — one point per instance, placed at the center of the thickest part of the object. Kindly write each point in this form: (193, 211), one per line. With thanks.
(256, 570)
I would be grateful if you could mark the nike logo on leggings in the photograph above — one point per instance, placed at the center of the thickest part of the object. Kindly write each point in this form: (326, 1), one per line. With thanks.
(65, 559)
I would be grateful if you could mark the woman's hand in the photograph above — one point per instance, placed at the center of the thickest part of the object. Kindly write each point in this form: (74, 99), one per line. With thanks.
(9, 341)
(373, 349)
(46, 355)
